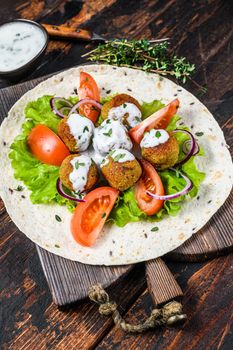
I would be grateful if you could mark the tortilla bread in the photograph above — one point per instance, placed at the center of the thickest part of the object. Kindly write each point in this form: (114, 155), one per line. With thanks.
(135, 242)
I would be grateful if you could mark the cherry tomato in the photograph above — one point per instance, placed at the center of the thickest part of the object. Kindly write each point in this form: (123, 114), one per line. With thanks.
(46, 146)
(89, 217)
(88, 89)
(158, 120)
(150, 181)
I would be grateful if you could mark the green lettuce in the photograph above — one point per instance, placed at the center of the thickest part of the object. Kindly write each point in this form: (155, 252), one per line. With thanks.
(39, 178)
(147, 108)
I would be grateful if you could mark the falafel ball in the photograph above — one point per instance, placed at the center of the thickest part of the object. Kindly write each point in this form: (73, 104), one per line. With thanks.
(160, 148)
(124, 108)
(121, 169)
(78, 173)
(76, 132)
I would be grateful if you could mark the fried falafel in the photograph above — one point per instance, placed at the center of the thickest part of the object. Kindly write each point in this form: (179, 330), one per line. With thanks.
(121, 169)
(78, 173)
(160, 148)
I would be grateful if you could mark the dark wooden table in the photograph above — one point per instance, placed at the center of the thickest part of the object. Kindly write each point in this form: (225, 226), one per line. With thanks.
(202, 31)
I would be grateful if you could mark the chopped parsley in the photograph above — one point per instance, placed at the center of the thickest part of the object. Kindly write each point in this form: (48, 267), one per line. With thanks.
(108, 91)
(108, 121)
(103, 215)
(109, 133)
(124, 105)
(158, 134)
(85, 128)
(154, 229)
(57, 246)
(77, 165)
(19, 188)
(200, 133)
(118, 157)
(57, 217)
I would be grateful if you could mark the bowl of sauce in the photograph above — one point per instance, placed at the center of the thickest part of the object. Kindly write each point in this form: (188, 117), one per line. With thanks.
(22, 45)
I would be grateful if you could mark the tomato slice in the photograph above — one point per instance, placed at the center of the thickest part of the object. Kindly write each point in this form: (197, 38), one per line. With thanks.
(46, 146)
(150, 181)
(88, 89)
(89, 217)
(158, 120)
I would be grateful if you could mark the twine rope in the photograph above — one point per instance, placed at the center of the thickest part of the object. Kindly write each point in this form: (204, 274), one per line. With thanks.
(169, 314)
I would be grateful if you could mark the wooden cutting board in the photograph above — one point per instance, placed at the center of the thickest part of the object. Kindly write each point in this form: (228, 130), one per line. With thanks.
(69, 281)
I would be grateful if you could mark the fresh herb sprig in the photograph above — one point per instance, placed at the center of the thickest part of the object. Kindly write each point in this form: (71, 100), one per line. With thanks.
(141, 54)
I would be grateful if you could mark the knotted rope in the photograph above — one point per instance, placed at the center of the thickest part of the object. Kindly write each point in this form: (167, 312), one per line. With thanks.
(169, 314)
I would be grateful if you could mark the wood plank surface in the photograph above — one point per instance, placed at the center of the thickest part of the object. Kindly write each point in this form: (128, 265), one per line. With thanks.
(202, 31)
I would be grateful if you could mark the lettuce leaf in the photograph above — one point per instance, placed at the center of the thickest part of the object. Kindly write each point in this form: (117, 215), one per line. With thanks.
(148, 108)
(39, 178)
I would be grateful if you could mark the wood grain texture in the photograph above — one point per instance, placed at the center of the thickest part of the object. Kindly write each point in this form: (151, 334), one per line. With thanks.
(65, 32)
(210, 316)
(70, 281)
(161, 283)
(201, 31)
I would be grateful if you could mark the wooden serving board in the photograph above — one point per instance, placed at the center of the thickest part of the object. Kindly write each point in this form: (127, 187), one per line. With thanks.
(69, 281)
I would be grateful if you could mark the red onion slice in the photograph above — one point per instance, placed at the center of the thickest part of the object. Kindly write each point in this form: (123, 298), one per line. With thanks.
(65, 195)
(192, 148)
(186, 147)
(57, 111)
(186, 189)
(84, 101)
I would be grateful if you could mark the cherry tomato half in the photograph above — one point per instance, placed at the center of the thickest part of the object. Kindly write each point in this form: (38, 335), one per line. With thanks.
(150, 181)
(46, 146)
(89, 217)
(88, 89)
(158, 120)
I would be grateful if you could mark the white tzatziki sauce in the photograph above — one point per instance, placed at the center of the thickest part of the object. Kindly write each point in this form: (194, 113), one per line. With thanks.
(93, 154)
(81, 128)
(111, 134)
(78, 177)
(134, 114)
(20, 42)
(154, 137)
(119, 155)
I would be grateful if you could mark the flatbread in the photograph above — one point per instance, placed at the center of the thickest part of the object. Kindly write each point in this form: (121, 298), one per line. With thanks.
(135, 242)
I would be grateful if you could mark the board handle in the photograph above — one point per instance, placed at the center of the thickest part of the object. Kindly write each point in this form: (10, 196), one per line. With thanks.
(161, 283)
(67, 32)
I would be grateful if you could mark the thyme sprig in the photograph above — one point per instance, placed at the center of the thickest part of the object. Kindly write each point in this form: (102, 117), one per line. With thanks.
(142, 54)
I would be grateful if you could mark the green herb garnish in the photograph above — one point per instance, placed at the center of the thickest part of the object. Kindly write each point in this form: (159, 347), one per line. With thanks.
(158, 134)
(118, 157)
(124, 105)
(77, 165)
(57, 246)
(19, 188)
(200, 133)
(57, 217)
(109, 133)
(141, 54)
(154, 229)
(103, 215)
(85, 128)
